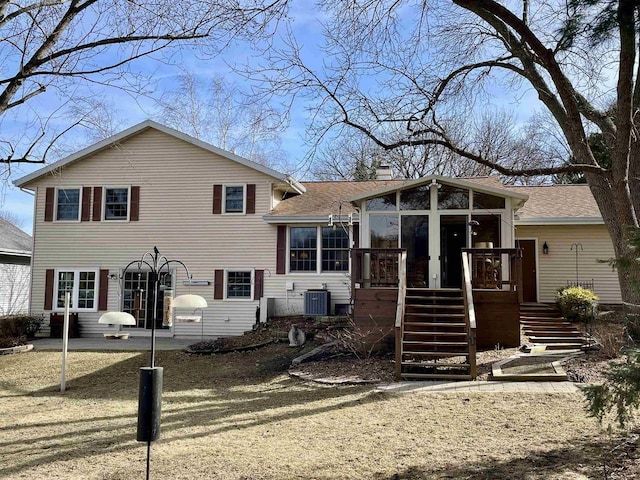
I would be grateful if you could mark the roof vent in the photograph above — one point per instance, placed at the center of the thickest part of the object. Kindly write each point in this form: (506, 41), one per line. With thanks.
(383, 172)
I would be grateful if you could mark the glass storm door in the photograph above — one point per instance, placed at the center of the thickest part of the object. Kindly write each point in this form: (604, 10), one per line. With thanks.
(453, 238)
(415, 238)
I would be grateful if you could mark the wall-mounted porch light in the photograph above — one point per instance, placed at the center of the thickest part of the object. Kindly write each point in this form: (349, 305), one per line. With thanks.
(545, 248)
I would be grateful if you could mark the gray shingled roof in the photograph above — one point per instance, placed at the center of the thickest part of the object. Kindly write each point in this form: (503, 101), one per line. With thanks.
(321, 198)
(557, 201)
(12, 239)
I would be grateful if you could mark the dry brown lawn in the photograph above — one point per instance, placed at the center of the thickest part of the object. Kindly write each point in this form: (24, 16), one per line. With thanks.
(239, 416)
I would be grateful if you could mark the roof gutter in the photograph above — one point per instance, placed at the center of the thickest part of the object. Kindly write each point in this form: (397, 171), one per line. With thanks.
(560, 221)
(17, 253)
(315, 219)
(296, 185)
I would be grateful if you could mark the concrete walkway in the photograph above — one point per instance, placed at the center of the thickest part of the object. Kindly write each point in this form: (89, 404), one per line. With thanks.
(135, 344)
(478, 386)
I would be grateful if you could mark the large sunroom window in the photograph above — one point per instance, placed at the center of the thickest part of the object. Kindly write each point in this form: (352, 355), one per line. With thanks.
(384, 231)
(452, 198)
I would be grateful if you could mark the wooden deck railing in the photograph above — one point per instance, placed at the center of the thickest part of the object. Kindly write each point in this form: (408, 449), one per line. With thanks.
(402, 293)
(470, 314)
(375, 267)
(494, 268)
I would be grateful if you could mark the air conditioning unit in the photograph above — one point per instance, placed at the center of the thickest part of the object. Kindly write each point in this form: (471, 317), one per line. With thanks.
(317, 302)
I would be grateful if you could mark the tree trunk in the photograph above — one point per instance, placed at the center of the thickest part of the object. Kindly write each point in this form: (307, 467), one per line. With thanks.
(614, 199)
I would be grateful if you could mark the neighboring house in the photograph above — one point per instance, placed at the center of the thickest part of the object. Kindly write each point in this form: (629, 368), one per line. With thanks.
(15, 269)
(253, 237)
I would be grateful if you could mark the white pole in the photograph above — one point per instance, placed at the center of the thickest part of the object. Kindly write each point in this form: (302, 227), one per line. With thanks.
(65, 340)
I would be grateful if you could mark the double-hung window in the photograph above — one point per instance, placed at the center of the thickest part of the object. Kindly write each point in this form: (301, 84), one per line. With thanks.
(239, 284)
(116, 203)
(303, 245)
(335, 250)
(82, 286)
(234, 199)
(307, 244)
(68, 204)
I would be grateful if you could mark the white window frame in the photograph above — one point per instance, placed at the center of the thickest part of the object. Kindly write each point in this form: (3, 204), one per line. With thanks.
(244, 198)
(253, 282)
(318, 270)
(76, 289)
(104, 203)
(55, 204)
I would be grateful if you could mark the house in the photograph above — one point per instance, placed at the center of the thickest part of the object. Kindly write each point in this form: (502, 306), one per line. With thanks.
(258, 242)
(15, 269)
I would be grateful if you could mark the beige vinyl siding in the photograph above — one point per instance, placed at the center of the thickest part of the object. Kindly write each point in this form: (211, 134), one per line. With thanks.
(292, 302)
(559, 265)
(176, 192)
(14, 286)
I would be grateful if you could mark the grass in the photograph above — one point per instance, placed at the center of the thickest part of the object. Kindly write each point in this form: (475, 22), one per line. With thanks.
(239, 416)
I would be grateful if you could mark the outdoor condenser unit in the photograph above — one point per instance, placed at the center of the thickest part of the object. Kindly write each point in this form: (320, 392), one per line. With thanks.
(317, 302)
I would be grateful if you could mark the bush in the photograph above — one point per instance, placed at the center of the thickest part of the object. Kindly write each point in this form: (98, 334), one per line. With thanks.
(619, 393)
(17, 329)
(577, 304)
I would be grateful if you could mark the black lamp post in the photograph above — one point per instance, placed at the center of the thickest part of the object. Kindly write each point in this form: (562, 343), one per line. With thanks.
(150, 387)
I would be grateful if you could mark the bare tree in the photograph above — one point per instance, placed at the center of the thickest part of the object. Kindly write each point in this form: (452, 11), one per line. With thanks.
(217, 111)
(400, 72)
(12, 218)
(53, 52)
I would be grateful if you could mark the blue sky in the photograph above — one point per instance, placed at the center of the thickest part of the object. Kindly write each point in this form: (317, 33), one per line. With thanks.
(307, 29)
(134, 110)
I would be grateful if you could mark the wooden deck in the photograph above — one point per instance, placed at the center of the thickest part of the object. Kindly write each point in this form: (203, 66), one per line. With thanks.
(487, 315)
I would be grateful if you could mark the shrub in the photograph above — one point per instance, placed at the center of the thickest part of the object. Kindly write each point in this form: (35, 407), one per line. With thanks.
(17, 329)
(620, 391)
(577, 303)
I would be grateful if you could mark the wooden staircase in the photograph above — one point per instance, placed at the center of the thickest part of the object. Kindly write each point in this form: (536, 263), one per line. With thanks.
(545, 326)
(435, 343)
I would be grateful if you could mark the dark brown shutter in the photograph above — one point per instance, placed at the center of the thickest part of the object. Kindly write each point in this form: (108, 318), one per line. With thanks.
(251, 198)
(49, 198)
(48, 289)
(218, 285)
(135, 204)
(104, 290)
(356, 235)
(97, 204)
(85, 216)
(281, 250)
(217, 199)
(258, 288)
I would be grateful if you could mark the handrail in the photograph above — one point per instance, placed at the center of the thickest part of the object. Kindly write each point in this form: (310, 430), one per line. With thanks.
(470, 314)
(402, 288)
(402, 293)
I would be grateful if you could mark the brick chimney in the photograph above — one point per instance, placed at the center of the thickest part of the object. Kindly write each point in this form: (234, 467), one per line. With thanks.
(383, 172)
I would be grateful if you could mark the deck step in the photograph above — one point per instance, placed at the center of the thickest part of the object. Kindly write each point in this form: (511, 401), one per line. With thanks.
(552, 333)
(435, 307)
(435, 364)
(434, 344)
(434, 324)
(561, 346)
(431, 298)
(551, 326)
(525, 318)
(431, 333)
(431, 315)
(436, 354)
(436, 376)
(540, 339)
